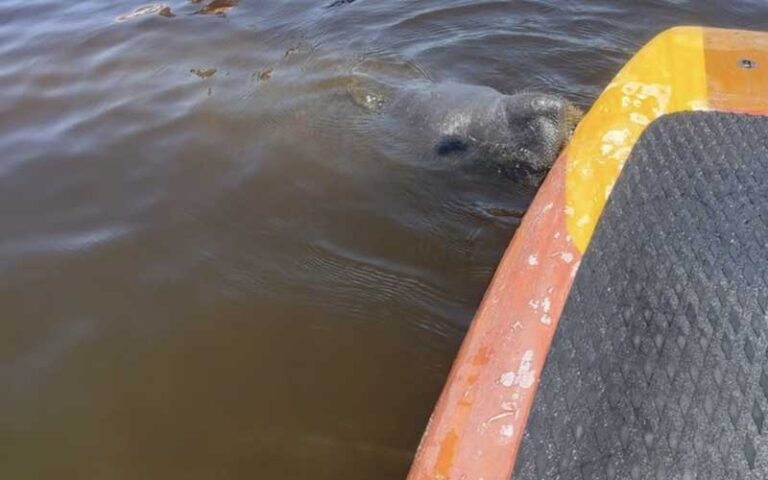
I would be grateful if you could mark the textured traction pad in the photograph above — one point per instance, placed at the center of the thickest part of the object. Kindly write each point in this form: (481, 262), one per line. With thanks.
(659, 366)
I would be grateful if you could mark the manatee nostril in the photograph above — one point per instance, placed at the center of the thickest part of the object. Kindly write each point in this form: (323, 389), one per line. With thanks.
(548, 103)
(562, 113)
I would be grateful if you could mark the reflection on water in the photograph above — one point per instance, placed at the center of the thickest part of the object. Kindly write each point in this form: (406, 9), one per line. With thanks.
(214, 264)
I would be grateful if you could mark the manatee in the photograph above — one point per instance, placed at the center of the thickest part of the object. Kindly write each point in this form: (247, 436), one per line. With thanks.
(471, 126)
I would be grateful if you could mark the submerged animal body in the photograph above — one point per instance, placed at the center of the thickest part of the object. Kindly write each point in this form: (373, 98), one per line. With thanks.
(478, 127)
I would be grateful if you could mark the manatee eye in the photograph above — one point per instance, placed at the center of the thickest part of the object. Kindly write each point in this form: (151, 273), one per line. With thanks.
(451, 144)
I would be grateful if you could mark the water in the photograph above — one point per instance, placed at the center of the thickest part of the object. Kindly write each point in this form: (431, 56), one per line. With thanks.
(235, 274)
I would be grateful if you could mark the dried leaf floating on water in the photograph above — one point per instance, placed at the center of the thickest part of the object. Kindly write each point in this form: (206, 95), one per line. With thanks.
(218, 7)
(154, 9)
(265, 74)
(203, 72)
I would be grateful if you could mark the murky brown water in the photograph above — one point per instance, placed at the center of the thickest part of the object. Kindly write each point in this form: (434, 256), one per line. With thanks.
(214, 265)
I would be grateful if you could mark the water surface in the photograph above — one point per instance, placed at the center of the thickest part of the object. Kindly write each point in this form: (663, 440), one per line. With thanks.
(214, 266)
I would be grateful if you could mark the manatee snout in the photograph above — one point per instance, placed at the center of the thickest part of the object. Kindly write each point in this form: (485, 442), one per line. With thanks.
(539, 125)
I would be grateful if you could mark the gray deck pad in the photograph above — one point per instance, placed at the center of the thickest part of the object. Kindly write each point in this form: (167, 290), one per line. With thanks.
(659, 367)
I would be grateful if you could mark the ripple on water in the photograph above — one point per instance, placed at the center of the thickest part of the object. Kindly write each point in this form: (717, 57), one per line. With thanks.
(62, 242)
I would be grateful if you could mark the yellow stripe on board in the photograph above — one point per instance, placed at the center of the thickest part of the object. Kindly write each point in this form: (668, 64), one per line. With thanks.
(668, 75)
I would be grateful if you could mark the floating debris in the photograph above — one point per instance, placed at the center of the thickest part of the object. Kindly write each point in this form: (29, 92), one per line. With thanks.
(339, 3)
(203, 72)
(155, 9)
(264, 75)
(298, 48)
(217, 7)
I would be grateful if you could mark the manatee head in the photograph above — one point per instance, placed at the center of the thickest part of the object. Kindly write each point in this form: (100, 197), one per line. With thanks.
(521, 134)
